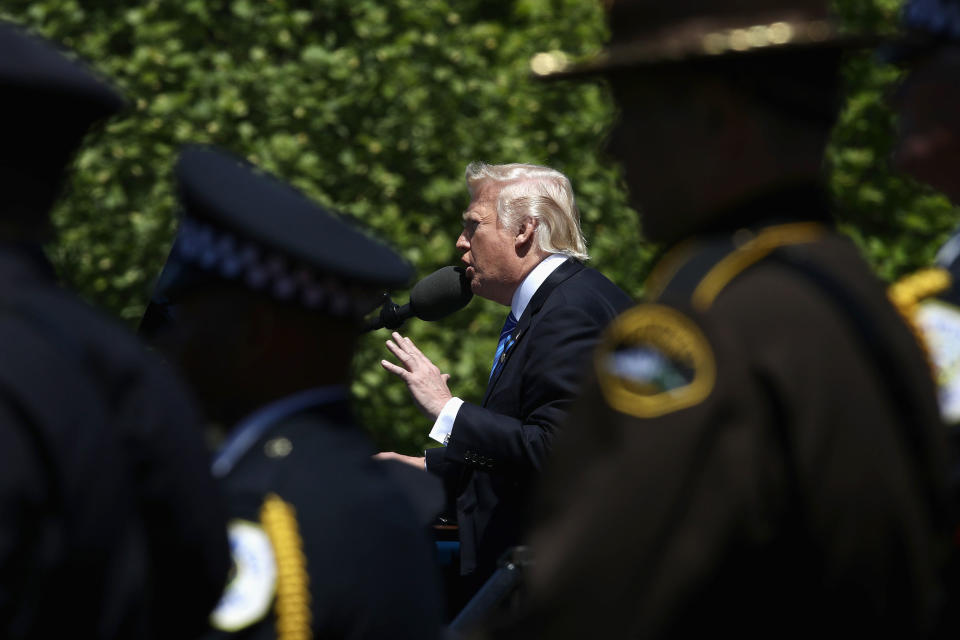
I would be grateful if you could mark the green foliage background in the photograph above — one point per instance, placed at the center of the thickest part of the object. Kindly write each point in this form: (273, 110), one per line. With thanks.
(375, 107)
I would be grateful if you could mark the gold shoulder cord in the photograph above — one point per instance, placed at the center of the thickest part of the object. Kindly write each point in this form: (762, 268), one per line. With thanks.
(294, 619)
(750, 253)
(906, 294)
(666, 268)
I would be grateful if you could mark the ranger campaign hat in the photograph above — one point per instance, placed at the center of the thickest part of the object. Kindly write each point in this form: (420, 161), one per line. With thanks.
(657, 32)
(925, 25)
(50, 99)
(244, 225)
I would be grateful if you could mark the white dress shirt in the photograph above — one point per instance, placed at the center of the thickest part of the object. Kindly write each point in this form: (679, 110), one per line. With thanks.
(521, 298)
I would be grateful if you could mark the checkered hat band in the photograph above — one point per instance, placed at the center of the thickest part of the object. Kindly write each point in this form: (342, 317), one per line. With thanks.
(216, 251)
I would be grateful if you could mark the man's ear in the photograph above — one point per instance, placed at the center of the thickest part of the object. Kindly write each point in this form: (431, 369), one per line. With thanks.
(525, 233)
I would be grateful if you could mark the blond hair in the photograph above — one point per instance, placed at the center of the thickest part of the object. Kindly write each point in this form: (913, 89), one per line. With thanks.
(540, 193)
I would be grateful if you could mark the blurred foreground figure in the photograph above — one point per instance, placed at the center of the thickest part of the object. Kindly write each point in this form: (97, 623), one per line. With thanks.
(110, 525)
(760, 451)
(266, 291)
(928, 148)
(928, 100)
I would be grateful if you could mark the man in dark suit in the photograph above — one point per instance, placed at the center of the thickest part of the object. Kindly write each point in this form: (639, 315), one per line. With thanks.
(266, 290)
(522, 247)
(110, 524)
(759, 450)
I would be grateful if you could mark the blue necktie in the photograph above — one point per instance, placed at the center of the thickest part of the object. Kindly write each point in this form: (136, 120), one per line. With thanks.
(506, 341)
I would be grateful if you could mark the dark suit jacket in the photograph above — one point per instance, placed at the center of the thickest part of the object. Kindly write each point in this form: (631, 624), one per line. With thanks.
(497, 448)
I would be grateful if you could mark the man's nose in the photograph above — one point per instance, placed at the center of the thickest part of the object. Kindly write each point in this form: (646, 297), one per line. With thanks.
(462, 243)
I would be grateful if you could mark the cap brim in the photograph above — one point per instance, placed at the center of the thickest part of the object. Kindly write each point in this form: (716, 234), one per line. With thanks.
(34, 66)
(553, 65)
(907, 48)
(218, 187)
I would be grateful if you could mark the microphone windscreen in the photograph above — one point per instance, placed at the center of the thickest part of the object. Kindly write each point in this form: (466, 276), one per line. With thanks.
(441, 293)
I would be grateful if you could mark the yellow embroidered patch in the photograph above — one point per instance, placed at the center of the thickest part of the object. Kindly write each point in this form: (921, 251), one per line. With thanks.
(654, 360)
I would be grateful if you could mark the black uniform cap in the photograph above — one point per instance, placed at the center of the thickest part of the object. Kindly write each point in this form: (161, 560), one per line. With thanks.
(243, 224)
(925, 25)
(49, 100)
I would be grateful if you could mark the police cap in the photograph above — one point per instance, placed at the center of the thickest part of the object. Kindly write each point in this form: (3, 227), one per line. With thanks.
(244, 225)
(49, 99)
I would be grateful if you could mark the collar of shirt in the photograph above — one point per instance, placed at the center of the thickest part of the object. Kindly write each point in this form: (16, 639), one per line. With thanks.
(249, 430)
(530, 284)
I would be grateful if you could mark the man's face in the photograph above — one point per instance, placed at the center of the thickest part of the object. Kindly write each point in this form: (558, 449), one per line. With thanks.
(662, 139)
(489, 250)
(204, 339)
(928, 104)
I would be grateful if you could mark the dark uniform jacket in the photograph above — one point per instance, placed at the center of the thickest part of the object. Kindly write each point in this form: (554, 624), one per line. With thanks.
(931, 299)
(759, 453)
(497, 448)
(110, 525)
(335, 537)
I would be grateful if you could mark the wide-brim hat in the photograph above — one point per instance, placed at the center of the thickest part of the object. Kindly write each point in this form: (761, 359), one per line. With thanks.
(661, 32)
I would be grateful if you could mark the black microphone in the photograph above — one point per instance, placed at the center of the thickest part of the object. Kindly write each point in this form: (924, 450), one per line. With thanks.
(441, 293)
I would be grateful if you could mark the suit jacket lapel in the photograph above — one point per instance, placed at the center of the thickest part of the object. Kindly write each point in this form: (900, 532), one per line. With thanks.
(559, 275)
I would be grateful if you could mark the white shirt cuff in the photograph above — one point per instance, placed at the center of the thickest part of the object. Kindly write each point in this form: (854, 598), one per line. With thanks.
(444, 424)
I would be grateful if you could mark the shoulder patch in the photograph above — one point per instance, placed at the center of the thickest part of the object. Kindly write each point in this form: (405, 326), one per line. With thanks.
(249, 594)
(939, 323)
(654, 360)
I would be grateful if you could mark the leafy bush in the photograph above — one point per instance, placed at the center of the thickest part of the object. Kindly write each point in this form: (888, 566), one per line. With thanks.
(375, 108)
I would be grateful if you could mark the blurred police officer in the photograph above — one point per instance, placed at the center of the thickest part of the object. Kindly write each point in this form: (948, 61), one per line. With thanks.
(110, 524)
(928, 99)
(760, 451)
(928, 148)
(266, 290)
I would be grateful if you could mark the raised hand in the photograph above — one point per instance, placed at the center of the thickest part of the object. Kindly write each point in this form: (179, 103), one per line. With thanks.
(426, 383)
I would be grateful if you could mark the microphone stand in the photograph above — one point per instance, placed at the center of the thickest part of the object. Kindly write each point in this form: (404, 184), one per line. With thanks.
(391, 316)
(505, 584)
